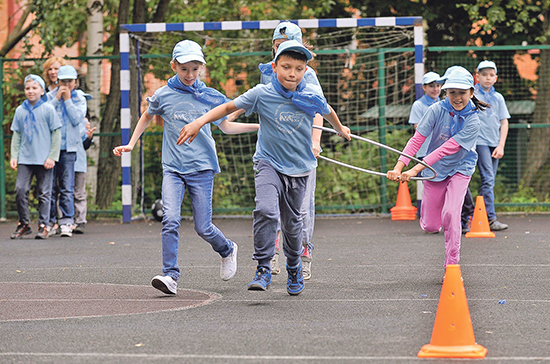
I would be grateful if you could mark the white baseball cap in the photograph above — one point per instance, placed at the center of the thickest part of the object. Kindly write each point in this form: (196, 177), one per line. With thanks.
(459, 78)
(187, 51)
(37, 79)
(486, 64)
(293, 45)
(67, 73)
(431, 77)
(289, 31)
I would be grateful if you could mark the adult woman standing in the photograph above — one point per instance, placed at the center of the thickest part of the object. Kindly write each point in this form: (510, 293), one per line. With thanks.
(51, 67)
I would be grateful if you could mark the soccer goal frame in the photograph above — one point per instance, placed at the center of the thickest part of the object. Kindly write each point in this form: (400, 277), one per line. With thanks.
(127, 29)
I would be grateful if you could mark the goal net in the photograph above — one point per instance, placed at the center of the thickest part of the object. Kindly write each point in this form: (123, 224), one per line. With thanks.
(369, 70)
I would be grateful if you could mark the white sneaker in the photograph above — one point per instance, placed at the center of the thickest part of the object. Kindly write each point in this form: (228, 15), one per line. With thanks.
(229, 264)
(165, 284)
(66, 230)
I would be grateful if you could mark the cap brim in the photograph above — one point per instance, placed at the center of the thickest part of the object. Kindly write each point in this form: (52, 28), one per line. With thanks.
(459, 86)
(190, 58)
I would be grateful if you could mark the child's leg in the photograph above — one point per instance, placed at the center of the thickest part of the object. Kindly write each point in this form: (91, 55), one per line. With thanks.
(451, 214)
(44, 185)
(308, 209)
(487, 171)
(22, 187)
(53, 195)
(266, 214)
(66, 187)
(80, 205)
(291, 201)
(173, 189)
(432, 203)
(200, 185)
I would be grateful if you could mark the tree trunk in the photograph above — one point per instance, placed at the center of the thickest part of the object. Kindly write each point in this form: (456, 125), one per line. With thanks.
(109, 165)
(93, 81)
(537, 165)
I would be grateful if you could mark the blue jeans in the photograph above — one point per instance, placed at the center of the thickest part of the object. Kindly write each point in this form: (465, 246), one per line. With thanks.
(63, 184)
(25, 172)
(200, 186)
(487, 171)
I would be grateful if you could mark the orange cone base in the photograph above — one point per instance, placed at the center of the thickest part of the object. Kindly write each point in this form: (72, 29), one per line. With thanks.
(463, 351)
(403, 213)
(480, 234)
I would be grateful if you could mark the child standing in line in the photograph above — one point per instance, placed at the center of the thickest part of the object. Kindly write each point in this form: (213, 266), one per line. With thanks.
(34, 151)
(491, 141)
(286, 31)
(431, 85)
(283, 159)
(190, 167)
(454, 126)
(80, 168)
(71, 107)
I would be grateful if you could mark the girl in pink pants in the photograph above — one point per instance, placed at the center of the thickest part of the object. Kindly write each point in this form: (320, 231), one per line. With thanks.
(454, 126)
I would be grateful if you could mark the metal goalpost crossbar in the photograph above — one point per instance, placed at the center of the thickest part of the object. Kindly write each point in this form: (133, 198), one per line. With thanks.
(125, 114)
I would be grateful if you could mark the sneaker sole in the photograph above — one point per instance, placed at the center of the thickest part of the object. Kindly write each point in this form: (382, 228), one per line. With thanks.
(67, 235)
(41, 237)
(294, 293)
(158, 284)
(257, 287)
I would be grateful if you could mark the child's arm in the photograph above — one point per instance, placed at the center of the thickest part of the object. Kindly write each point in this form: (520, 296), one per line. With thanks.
(54, 149)
(499, 150)
(191, 130)
(75, 111)
(237, 128)
(333, 119)
(142, 124)
(316, 136)
(15, 145)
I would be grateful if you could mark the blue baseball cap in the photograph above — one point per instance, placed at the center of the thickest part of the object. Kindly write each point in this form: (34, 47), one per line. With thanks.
(188, 51)
(67, 73)
(459, 78)
(295, 46)
(486, 64)
(449, 70)
(289, 31)
(431, 77)
(37, 79)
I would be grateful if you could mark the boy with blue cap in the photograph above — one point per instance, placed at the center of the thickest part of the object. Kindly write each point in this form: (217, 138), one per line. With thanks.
(71, 108)
(431, 85)
(492, 137)
(454, 126)
(34, 151)
(283, 159)
(286, 31)
(190, 167)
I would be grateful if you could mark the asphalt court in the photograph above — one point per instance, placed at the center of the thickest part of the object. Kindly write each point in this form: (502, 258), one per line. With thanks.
(372, 298)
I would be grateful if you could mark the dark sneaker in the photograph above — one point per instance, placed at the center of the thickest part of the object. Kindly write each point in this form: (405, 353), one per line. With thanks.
(42, 232)
(79, 228)
(467, 226)
(21, 230)
(496, 225)
(295, 282)
(261, 281)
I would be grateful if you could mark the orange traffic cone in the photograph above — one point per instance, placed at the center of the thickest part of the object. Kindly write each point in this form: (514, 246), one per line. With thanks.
(403, 210)
(480, 222)
(453, 334)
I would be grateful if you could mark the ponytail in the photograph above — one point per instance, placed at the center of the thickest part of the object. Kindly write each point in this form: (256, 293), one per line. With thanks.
(480, 105)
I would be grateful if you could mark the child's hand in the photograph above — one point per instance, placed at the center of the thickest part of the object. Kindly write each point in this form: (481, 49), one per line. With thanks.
(49, 163)
(13, 164)
(316, 150)
(498, 152)
(121, 149)
(393, 175)
(344, 132)
(189, 131)
(406, 176)
(90, 132)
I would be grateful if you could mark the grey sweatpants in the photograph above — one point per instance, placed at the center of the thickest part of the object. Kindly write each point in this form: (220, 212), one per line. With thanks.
(277, 196)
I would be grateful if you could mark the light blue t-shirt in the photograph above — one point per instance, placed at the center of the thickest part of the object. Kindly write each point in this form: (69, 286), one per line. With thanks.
(489, 133)
(37, 152)
(440, 123)
(179, 109)
(418, 110)
(284, 137)
(71, 113)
